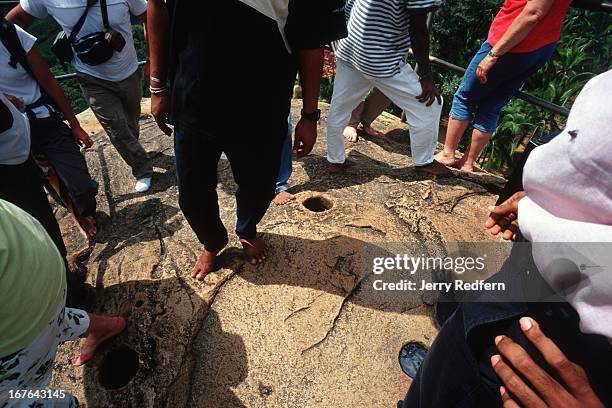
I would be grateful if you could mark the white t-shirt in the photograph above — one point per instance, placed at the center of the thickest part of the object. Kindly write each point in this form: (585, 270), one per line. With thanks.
(17, 81)
(67, 13)
(14, 142)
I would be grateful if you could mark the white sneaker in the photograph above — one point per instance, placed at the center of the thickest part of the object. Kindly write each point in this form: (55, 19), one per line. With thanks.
(143, 184)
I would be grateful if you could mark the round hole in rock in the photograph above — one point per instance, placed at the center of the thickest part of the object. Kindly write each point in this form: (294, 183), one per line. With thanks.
(318, 204)
(118, 367)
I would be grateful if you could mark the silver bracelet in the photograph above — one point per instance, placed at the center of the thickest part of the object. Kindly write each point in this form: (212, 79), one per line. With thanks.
(154, 79)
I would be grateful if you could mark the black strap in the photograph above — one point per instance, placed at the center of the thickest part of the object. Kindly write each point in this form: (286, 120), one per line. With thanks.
(10, 40)
(79, 24)
(104, 14)
(8, 35)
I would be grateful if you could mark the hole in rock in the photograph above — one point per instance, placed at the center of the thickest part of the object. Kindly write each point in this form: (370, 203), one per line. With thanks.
(118, 367)
(318, 204)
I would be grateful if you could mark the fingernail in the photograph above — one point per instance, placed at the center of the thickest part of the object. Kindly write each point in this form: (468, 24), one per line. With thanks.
(502, 391)
(495, 359)
(526, 323)
(491, 207)
(498, 339)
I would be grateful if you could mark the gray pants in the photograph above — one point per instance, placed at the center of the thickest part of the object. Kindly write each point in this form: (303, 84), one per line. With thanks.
(117, 107)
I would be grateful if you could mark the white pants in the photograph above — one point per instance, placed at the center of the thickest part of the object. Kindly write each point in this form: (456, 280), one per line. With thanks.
(351, 87)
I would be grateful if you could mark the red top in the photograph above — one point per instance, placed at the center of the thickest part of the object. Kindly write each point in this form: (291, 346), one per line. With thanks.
(546, 32)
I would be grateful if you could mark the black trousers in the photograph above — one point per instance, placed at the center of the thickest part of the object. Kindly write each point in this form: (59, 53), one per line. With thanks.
(22, 186)
(457, 370)
(255, 162)
(53, 138)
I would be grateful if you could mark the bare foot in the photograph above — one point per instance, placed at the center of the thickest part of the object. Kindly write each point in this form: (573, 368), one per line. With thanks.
(205, 264)
(335, 168)
(255, 250)
(87, 226)
(435, 168)
(467, 168)
(350, 134)
(446, 159)
(282, 198)
(100, 330)
(371, 131)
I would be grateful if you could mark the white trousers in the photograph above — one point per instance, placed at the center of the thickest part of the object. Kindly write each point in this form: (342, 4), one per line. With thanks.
(351, 87)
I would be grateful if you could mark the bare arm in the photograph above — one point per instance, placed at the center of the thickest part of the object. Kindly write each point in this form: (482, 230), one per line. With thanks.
(310, 64)
(419, 39)
(158, 32)
(18, 16)
(52, 88)
(311, 71)
(530, 17)
(527, 20)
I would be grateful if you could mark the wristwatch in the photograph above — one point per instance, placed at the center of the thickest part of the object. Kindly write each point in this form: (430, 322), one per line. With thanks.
(314, 116)
(493, 54)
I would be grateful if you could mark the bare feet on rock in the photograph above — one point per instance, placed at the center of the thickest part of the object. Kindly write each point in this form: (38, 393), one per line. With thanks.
(350, 134)
(371, 131)
(205, 264)
(254, 249)
(282, 198)
(335, 168)
(435, 168)
(446, 159)
(89, 226)
(100, 330)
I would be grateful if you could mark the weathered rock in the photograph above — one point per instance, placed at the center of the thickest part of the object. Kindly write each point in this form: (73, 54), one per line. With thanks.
(305, 329)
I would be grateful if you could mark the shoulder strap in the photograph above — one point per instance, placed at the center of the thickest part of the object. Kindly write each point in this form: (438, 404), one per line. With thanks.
(8, 35)
(104, 14)
(79, 24)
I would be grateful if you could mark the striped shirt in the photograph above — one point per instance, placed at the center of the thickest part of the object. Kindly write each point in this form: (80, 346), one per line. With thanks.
(379, 38)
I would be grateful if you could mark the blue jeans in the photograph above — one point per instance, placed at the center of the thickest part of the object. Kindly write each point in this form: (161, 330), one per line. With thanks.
(457, 370)
(483, 103)
(286, 165)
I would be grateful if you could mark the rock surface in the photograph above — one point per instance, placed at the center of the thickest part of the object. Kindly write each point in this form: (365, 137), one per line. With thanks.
(305, 329)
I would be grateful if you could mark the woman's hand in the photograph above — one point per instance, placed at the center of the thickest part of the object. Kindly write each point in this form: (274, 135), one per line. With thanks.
(484, 67)
(575, 392)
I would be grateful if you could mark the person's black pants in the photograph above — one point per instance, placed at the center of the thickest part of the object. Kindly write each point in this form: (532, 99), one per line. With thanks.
(22, 186)
(457, 370)
(255, 162)
(53, 138)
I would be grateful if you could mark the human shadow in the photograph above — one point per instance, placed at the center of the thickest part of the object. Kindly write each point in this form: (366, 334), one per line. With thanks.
(144, 221)
(342, 266)
(152, 362)
(366, 169)
(161, 181)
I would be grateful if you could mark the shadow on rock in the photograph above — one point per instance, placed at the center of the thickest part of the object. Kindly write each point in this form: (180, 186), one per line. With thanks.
(152, 362)
(341, 266)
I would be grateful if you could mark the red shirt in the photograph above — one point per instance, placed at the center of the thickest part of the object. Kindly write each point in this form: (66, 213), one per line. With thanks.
(546, 32)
